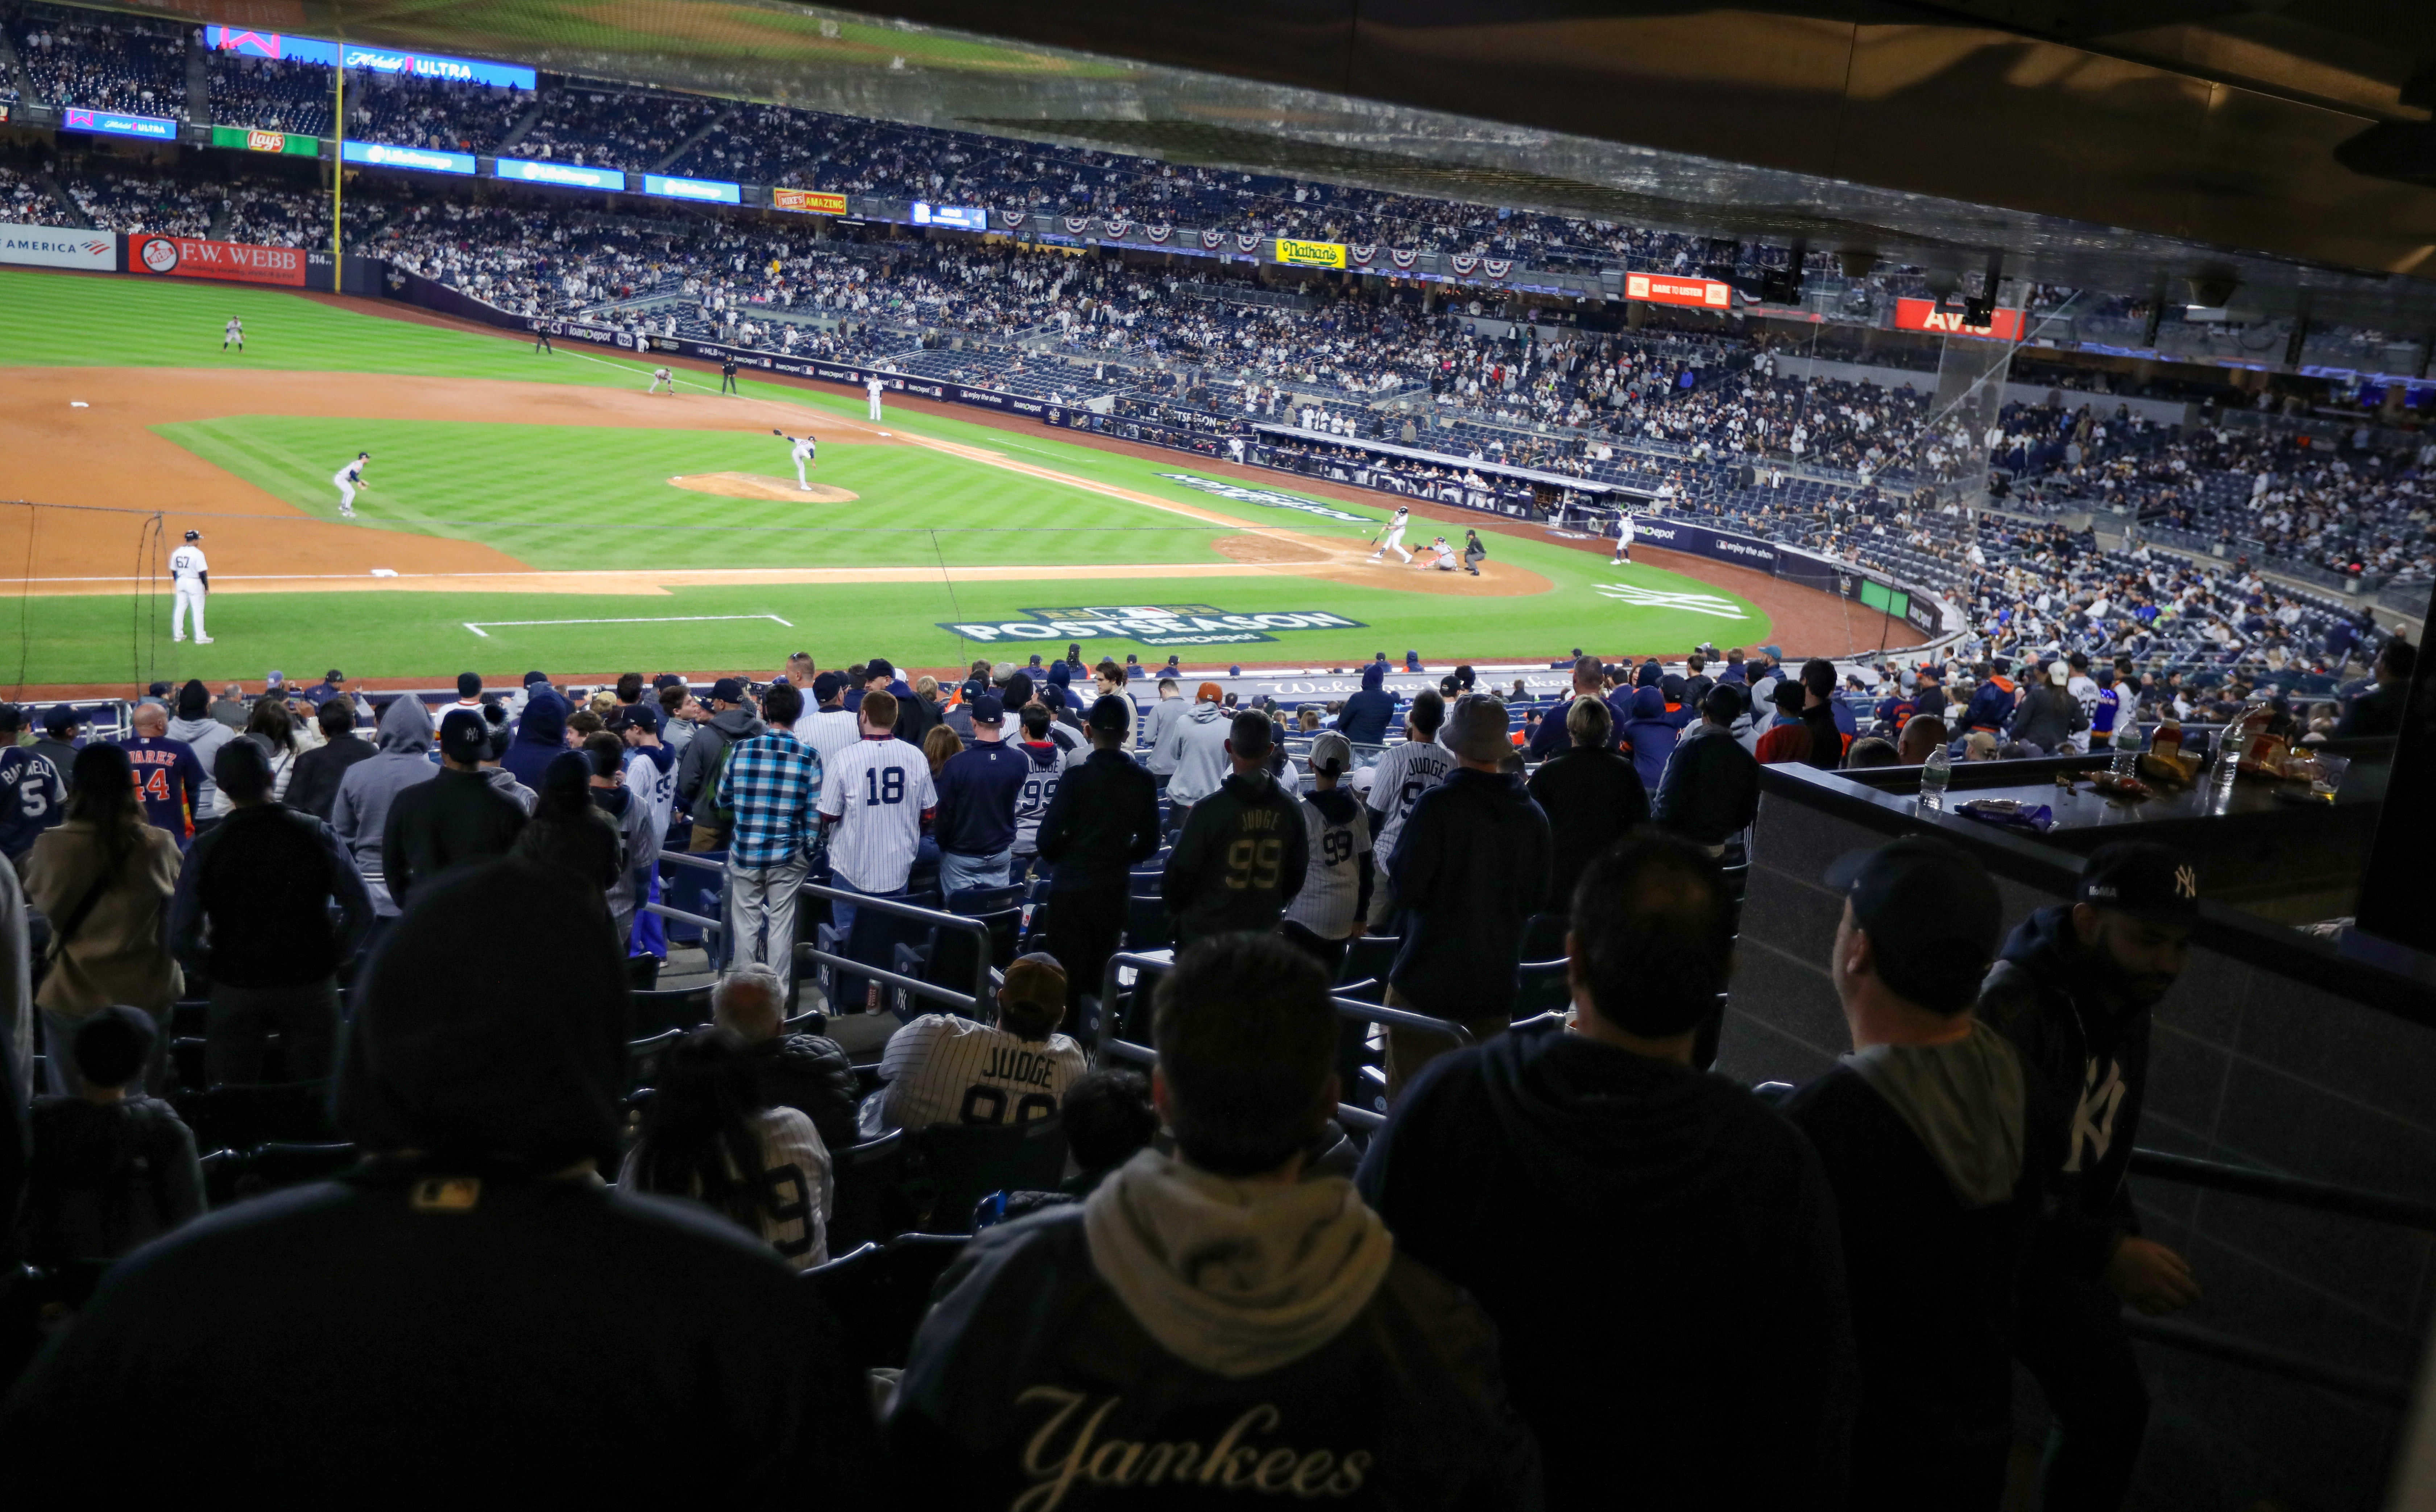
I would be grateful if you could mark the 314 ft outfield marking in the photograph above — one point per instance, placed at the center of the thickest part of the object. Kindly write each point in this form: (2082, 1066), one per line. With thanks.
(475, 626)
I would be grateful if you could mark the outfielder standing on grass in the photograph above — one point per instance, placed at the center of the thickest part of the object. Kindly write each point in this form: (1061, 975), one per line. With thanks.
(802, 452)
(193, 577)
(350, 479)
(234, 331)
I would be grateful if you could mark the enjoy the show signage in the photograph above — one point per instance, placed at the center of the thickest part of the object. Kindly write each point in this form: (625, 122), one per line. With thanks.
(1190, 624)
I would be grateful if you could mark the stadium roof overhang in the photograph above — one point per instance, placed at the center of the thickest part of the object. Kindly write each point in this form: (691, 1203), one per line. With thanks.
(2125, 145)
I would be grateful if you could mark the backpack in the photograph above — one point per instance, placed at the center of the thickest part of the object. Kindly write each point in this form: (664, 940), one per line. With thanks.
(705, 804)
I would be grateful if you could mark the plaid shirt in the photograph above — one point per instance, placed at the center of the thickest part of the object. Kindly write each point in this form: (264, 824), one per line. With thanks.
(773, 783)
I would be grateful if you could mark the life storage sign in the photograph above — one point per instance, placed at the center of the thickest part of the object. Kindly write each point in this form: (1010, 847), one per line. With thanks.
(234, 262)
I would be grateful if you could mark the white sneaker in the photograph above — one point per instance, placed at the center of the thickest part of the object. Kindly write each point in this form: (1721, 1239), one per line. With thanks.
(177, 640)
(346, 513)
(202, 640)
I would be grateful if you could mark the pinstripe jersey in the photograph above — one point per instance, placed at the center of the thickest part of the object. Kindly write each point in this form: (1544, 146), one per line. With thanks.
(943, 1069)
(1331, 883)
(1405, 773)
(877, 793)
(1039, 789)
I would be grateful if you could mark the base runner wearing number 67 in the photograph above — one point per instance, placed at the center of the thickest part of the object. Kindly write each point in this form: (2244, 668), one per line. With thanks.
(1242, 854)
(948, 1069)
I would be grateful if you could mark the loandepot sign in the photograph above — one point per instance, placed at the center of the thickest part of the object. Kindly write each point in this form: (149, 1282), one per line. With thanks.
(1268, 499)
(1165, 624)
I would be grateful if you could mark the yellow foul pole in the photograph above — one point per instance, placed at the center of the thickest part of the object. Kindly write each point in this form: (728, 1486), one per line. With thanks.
(338, 182)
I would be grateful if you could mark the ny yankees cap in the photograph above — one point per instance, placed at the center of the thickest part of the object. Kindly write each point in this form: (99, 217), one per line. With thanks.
(1931, 914)
(827, 686)
(193, 535)
(727, 691)
(2143, 878)
(61, 718)
(464, 736)
(636, 715)
(1036, 979)
(988, 708)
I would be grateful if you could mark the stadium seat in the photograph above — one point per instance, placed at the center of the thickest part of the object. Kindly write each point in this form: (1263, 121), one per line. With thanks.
(867, 1205)
(242, 1116)
(249, 1173)
(945, 957)
(1369, 955)
(1542, 988)
(1543, 936)
(879, 1292)
(643, 1057)
(691, 890)
(658, 1011)
(949, 1167)
(1148, 926)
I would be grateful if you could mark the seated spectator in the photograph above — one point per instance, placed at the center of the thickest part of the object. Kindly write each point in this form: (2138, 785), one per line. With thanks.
(1710, 792)
(1109, 1119)
(113, 1169)
(103, 877)
(1922, 734)
(1926, 1137)
(1316, 1349)
(946, 1069)
(574, 1313)
(1652, 732)
(313, 787)
(711, 1134)
(1591, 793)
(253, 916)
(457, 819)
(1873, 751)
(1741, 1381)
(807, 1072)
(2378, 711)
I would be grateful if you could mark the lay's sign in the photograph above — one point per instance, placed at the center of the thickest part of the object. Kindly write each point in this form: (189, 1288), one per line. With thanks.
(1311, 253)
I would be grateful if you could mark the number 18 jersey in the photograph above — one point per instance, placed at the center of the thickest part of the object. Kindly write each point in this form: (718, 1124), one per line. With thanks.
(877, 793)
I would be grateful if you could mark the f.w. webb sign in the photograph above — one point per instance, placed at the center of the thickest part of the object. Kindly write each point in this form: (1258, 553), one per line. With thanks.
(1171, 624)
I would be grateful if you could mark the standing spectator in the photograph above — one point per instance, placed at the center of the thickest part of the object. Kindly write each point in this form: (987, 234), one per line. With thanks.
(1403, 775)
(1741, 1383)
(2378, 711)
(830, 727)
(1044, 765)
(977, 791)
(2074, 988)
(230, 707)
(1364, 718)
(33, 793)
(2048, 717)
(807, 1072)
(202, 733)
(1925, 1136)
(938, 747)
(1823, 715)
(1242, 856)
(103, 877)
(113, 1169)
(1651, 732)
(1111, 680)
(1314, 1331)
(273, 728)
(1196, 748)
(1787, 740)
(252, 916)
(457, 819)
(568, 832)
(1470, 871)
(1551, 734)
(948, 1069)
(773, 786)
(313, 787)
(1991, 702)
(169, 780)
(574, 1311)
(874, 803)
(1591, 793)
(58, 746)
(639, 829)
(711, 1134)
(1101, 822)
(361, 815)
(731, 721)
(1710, 792)
(1328, 912)
(1160, 720)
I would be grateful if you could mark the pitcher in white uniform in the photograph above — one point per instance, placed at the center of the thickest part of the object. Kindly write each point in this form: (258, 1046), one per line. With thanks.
(192, 575)
(804, 452)
(1394, 540)
(350, 479)
(872, 386)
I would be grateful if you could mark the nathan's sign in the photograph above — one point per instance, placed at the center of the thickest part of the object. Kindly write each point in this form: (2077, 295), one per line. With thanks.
(1310, 254)
(1923, 315)
(1658, 288)
(1170, 624)
(234, 261)
(808, 202)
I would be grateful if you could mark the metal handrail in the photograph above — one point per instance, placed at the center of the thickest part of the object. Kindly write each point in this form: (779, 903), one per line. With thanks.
(666, 912)
(1107, 1044)
(974, 1002)
(2297, 1191)
(2363, 1386)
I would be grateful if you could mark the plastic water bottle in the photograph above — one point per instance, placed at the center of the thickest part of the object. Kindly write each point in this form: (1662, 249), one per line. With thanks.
(1935, 777)
(2127, 749)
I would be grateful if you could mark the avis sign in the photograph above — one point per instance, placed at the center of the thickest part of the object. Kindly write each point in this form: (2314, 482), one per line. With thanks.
(1172, 624)
(1923, 315)
(234, 262)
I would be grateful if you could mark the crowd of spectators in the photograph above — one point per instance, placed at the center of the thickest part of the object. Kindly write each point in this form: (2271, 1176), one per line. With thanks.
(120, 63)
(270, 93)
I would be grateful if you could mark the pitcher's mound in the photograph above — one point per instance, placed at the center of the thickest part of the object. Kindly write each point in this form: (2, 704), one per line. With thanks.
(745, 486)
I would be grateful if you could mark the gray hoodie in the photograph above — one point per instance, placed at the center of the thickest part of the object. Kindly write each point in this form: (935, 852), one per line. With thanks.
(206, 735)
(1158, 721)
(403, 758)
(1964, 1100)
(1196, 749)
(506, 782)
(710, 737)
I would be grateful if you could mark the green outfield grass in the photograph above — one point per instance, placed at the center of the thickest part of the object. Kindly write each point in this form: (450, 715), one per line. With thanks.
(566, 498)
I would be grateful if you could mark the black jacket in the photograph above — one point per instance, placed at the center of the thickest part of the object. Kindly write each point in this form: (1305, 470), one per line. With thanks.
(1030, 1367)
(1240, 860)
(1592, 798)
(811, 1074)
(1470, 868)
(454, 820)
(252, 904)
(1542, 1155)
(1710, 792)
(2092, 1065)
(2378, 711)
(313, 782)
(1103, 818)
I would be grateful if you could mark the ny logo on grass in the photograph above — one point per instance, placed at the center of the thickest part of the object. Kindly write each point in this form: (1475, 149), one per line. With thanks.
(1698, 603)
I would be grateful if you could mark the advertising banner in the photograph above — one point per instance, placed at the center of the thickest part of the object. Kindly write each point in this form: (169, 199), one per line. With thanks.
(234, 262)
(1310, 254)
(420, 158)
(53, 247)
(566, 175)
(808, 202)
(964, 217)
(1925, 315)
(253, 44)
(116, 123)
(713, 191)
(1660, 289)
(1188, 624)
(247, 139)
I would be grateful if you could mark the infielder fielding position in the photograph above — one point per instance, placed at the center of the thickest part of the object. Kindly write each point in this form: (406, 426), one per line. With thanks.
(661, 375)
(350, 479)
(802, 450)
(193, 575)
(1394, 539)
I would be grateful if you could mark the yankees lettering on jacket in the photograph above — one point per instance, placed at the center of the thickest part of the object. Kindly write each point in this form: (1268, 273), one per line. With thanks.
(1068, 1451)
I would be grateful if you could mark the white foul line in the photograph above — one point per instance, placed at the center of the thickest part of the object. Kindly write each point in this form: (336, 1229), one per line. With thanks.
(666, 619)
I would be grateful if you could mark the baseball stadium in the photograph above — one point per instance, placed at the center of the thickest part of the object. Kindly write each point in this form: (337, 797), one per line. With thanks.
(1439, 757)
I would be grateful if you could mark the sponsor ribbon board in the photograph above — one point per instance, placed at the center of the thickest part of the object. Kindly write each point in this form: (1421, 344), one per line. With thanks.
(234, 262)
(1190, 624)
(808, 202)
(1310, 254)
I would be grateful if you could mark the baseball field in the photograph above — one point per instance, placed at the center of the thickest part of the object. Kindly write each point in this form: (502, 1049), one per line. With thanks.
(534, 511)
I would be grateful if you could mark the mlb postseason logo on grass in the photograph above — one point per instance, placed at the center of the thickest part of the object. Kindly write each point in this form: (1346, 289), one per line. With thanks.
(1167, 624)
(1268, 499)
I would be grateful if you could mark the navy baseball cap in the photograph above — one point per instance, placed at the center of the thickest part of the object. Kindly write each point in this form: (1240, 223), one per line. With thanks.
(878, 667)
(2142, 878)
(11, 719)
(637, 716)
(465, 737)
(1110, 713)
(727, 691)
(1932, 916)
(990, 710)
(61, 718)
(668, 680)
(827, 686)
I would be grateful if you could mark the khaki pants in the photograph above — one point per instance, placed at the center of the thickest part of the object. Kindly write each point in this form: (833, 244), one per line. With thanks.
(1409, 1049)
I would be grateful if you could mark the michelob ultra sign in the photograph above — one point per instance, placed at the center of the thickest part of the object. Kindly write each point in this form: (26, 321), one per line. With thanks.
(1311, 253)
